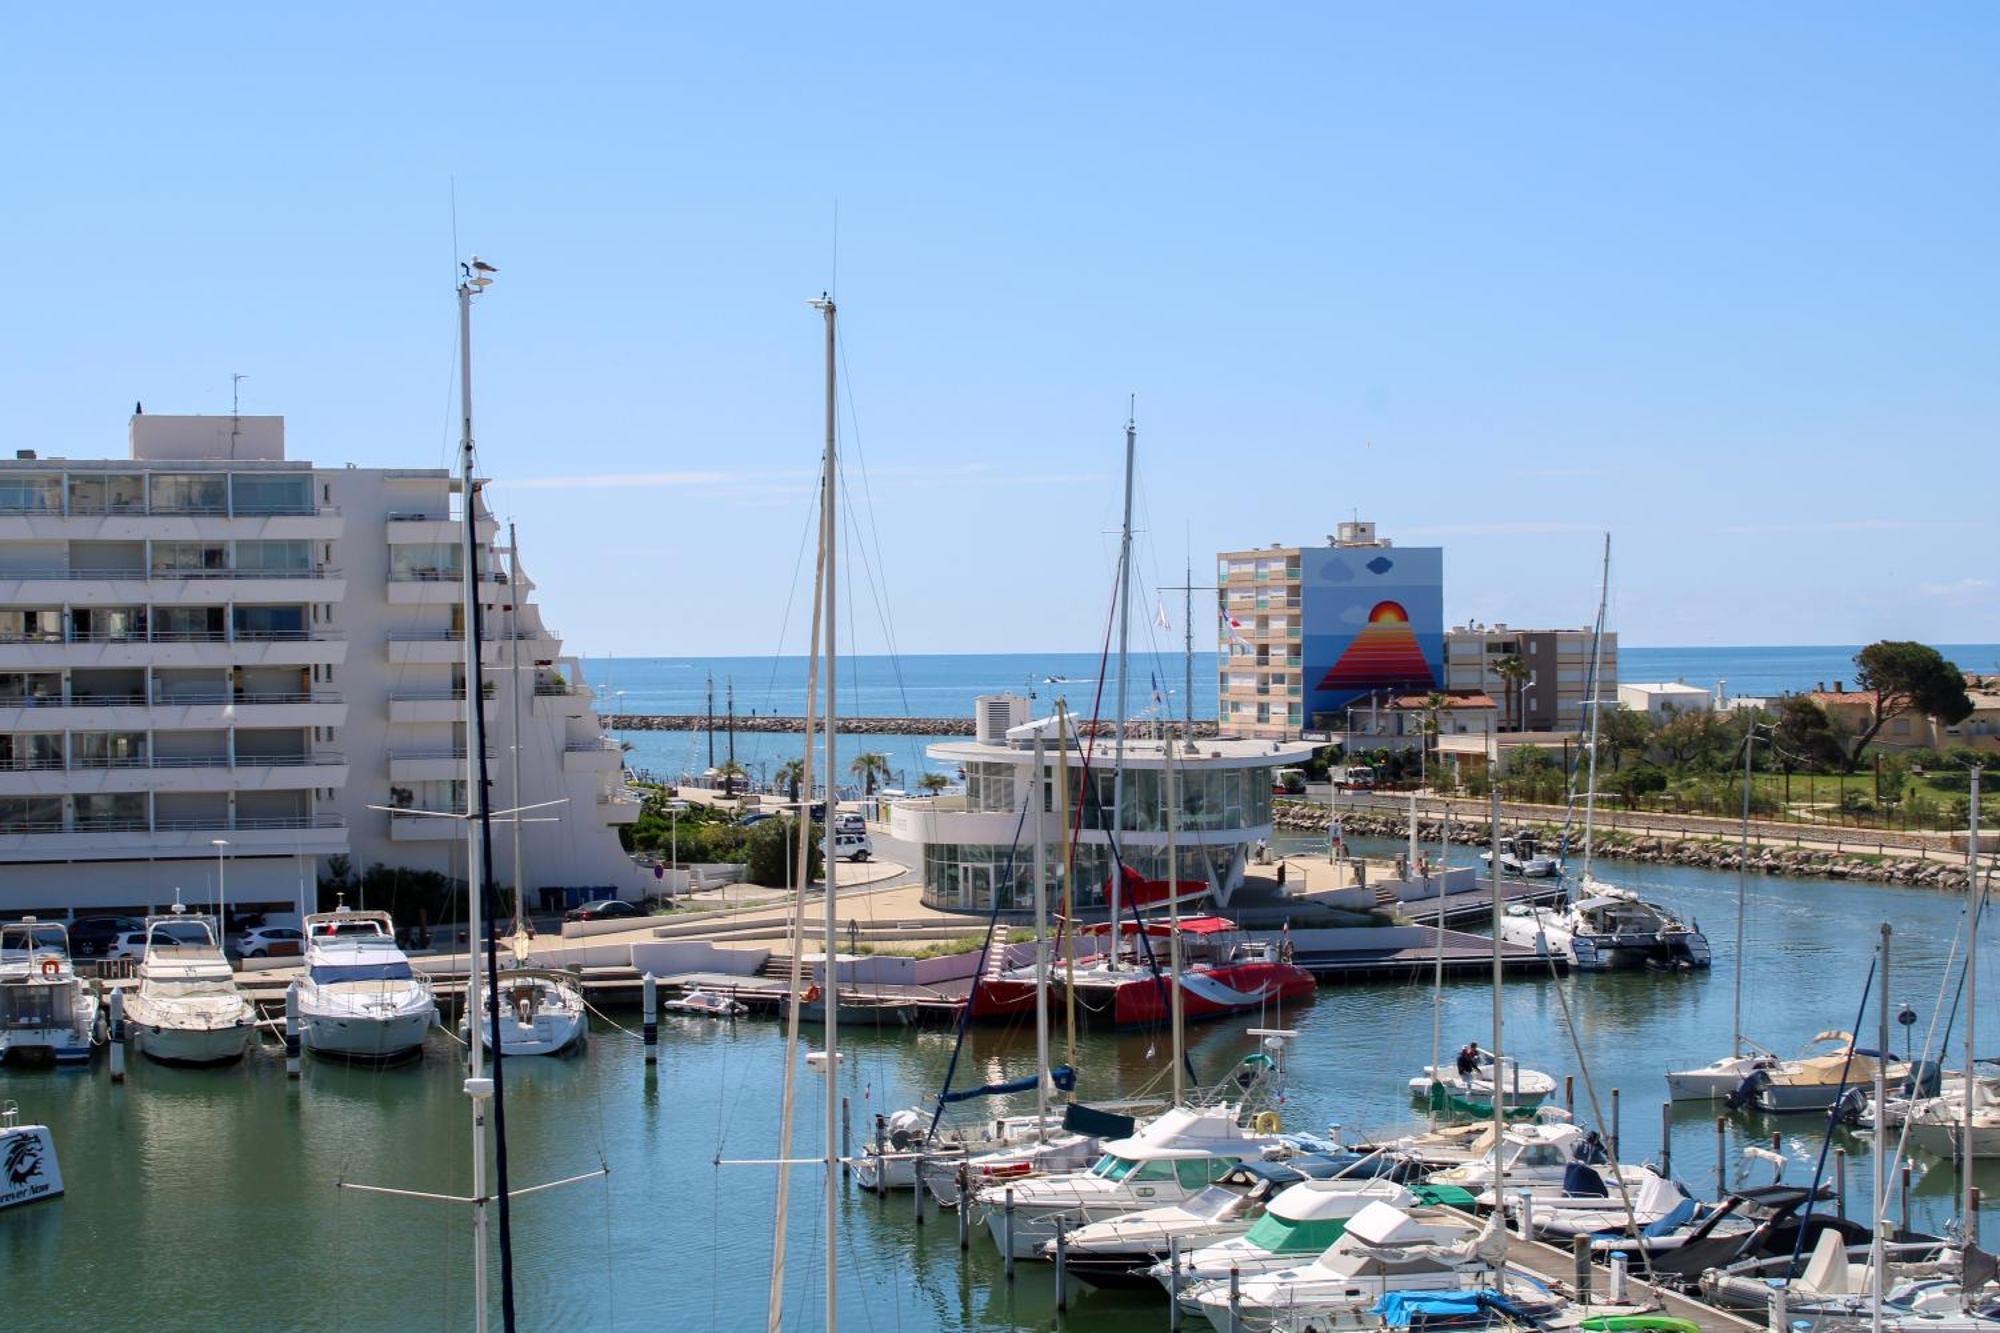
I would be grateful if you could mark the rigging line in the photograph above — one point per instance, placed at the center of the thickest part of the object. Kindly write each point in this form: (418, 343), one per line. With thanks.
(1832, 1118)
(874, 529)
(791, 597)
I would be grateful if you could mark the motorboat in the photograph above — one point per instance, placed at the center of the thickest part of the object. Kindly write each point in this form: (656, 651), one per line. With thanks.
(46, 1012)
(904, 1143)
(1531, 1156)
(1750, 1225)
(359, 998)
(1168, 1161)
(1122, 1251)
(1604, 929)
(858, 1011)
(1816, 1082)
(1523, 1087)
(1521, 856)
(1716, 1080)
(29, 1171)
(705, 1004)
(541, 1013)
(1302, 1220)
(1834, 1291)
(1650, 1204)
(1384, 1249)
(186, 1008)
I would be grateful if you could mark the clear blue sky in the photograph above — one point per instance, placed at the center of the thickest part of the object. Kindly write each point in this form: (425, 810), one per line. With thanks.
(1719, 278)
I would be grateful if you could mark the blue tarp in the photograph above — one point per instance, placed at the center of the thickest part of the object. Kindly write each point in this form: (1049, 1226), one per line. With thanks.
(1405, 1309)
(1062, 1076)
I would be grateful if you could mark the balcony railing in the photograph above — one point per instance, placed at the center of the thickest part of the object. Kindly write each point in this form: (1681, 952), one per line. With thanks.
(131, 574)
(87, 763)
(430, 752)
(216, 824)
(442, 576)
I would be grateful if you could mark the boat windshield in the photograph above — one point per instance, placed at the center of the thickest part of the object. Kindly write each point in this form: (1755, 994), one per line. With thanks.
(192, 988)
(17, 941)
(326, 974)
(1113, 1167)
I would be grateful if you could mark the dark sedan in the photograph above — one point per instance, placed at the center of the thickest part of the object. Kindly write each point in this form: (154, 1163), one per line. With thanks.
(604, 909)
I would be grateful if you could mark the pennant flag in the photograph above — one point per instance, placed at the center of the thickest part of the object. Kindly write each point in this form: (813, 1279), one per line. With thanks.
(1160, 616)
(1159, 696)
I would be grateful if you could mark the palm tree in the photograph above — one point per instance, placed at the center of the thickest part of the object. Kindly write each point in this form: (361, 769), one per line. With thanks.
(731, 772)
(1434, 702)
(791, 775)
(871, 766)
(1512, 671)
(932, 783)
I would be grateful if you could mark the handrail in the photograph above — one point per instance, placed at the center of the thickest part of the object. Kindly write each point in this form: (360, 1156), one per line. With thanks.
(150, 575)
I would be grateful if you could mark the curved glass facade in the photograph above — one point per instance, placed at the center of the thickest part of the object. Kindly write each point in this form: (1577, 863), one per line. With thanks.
(983, 877)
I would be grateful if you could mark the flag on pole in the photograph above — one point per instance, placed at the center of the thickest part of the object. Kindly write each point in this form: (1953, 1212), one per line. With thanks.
(1160, 616)
(1159, 695)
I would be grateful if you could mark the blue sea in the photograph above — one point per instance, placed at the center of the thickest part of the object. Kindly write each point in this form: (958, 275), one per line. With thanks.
(944, 685)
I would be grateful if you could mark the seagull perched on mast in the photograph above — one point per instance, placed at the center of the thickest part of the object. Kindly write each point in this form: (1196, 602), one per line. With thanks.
(482, 266)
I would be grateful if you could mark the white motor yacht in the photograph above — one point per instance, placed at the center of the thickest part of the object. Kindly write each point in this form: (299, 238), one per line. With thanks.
(45, 1010)
(541, 1013)
(1168, 1161)
(1606, 928)
(359, 998)
(1714, 1082)
(904, 1140)
(186, 1009)
(1383, 1249)
(1588, 1205)
(1301, 1221)
(1521, 855)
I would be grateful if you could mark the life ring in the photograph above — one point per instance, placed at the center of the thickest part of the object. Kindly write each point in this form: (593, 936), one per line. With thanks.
(1268, 1122)
(52, 967)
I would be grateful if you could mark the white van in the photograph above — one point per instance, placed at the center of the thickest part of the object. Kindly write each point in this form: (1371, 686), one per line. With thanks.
(850, 846)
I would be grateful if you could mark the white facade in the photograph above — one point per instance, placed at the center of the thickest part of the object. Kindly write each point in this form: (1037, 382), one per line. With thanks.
(207, 643)
(978, 849)
(1664, 699)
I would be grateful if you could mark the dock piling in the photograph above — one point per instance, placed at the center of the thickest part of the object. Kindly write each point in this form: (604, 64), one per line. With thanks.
(1667, 1139)
(964, 1208)
(1174, 1291)
(292, 1030)
(917, 1173)
(1721, 1156)
(1579, 1247)
(1569, 1094)
(650, 1004)
(846, 1137)
(1972, 1217)
(118, 1035)
(1007, 1231)
(882, 1163)
(1840, 1180)
(1780, 1321)
(1614, 1124)
(1062, 1266)
(1906, 1196)
(1235, 1299)
(1527, 1215)
(1620, 1272)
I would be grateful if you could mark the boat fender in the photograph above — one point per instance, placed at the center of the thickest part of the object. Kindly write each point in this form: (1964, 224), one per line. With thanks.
(51, 967)
(812, 993)
(1268, 1122)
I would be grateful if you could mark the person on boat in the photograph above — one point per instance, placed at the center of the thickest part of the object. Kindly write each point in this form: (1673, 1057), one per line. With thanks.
(1468, 1060)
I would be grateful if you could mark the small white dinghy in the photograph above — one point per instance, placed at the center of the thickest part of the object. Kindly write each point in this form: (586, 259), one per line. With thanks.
(28, 1169)
(706, 1004)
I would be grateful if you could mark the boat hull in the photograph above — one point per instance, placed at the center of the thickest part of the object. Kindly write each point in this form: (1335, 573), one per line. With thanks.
(545, 1034)
(1206, 993)
(352, 1037)
(170, 1045)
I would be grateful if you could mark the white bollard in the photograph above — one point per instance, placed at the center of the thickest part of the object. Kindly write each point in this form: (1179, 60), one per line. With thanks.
(292, 1030)
(649, 990)
(1527, 1215)
(1619, 1274)
(1779, 1317)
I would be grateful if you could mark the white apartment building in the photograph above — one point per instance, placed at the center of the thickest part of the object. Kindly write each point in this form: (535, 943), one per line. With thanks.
(1552, 693)
(218, 663)
(1662, 700)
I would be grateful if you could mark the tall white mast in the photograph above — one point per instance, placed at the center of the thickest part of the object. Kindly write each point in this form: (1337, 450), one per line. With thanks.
(1499, 1031)
(1437, 964)
(830, 531)
(477, 1086)
(514, 692)
(1124, 645)
(1596, 705)
(1178, 1015)
(1036, 790)
(1877, 1266)
(1976, 893)
(1742, 891)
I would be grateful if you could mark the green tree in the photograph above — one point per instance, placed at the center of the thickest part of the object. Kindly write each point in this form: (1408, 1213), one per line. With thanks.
(1692, 739)
(870, 766)
(1512, 671)
(1906, 678)
(1623, 731)
(932, 783)
(791, 776)
(1807, 735)
(771, 850)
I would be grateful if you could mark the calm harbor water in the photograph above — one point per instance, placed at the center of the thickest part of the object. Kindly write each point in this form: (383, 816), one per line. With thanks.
(209, 1198)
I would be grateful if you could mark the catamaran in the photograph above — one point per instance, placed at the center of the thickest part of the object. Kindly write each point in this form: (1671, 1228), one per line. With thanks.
(359, 997)
(45, 1010)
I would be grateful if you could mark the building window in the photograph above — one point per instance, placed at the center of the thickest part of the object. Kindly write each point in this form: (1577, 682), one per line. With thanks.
(265, 493)
(192, 493)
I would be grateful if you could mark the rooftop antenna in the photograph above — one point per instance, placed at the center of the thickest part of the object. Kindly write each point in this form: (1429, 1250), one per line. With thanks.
(236, 379)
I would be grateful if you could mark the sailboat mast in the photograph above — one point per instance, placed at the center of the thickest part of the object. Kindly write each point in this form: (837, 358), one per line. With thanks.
(1069, 879)
(1124, 646)
(1036, 792)
(1877, 1274)
(478, 856)
(1187, 647)
(514, 691)
(1499, 1030)
(829, 531)
(1742, 891)
(1596, 705)
(1178, 1015)
(1976, 893)
(1437, 965)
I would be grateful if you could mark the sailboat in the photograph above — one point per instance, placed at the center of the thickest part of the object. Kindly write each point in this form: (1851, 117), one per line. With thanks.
(1602, 927)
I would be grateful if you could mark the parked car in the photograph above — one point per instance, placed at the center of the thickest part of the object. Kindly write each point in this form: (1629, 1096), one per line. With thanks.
(132, 943)
(849, 822)
(90, 936)
(604, 909)
(852, 846)
(754, 817)
(271, 942)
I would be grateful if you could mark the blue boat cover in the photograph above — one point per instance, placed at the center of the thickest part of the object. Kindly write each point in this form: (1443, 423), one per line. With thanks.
(1580, 1182)
(1062, 1076)
(1096, 1124)
(1406, 1309)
